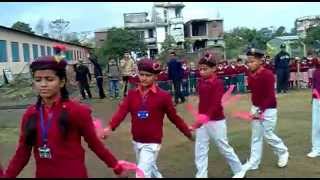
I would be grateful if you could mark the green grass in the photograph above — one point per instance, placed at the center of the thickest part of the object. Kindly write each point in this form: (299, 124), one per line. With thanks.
(176, 157)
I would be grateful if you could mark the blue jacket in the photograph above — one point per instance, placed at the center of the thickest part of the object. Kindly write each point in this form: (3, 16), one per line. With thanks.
(281, 60)
(175, 71)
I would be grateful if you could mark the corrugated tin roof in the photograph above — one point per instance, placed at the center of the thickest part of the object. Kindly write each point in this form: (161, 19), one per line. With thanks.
(42, 37)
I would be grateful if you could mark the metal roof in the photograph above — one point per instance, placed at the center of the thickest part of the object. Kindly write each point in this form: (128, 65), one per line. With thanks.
(42, 37)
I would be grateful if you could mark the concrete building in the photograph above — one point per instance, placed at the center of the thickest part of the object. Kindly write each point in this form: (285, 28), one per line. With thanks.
(302, 24)
(18, 49)
(166, 19)
(205, 33)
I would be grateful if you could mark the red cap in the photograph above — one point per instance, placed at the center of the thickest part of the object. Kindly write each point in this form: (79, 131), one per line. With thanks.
(149, 65)
(48, 62)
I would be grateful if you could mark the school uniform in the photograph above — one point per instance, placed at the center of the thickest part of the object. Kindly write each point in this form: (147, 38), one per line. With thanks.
(304, 68)
(263, 99)
(67, 154)
(241, 71)
(210, 93)
(185, 82)
(164, 82)
(194, 76)
(147, 131)
(315, 133)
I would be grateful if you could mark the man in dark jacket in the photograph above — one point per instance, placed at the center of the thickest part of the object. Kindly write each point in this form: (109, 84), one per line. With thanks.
(175, 73)
(97, 74)
(282, 60)
(83, 77)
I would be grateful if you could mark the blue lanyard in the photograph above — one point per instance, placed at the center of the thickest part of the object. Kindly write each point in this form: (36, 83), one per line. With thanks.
(44, 129)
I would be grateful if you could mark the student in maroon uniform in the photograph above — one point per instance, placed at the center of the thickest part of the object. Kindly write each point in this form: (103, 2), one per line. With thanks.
(241, 70)
(147, 104)
(211, 90)
(185, 79)
(304, 67)
(52, 128)
(163, 80)
(264, 112)
(315, 131)
(194, 76)
(293, 72)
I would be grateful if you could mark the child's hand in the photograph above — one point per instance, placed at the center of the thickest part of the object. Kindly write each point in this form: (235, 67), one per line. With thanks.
(106, 133)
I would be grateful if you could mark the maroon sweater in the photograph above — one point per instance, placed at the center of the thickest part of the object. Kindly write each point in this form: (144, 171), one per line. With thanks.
(150, 130)
(68, 155)
(210, 94)
(261, 84)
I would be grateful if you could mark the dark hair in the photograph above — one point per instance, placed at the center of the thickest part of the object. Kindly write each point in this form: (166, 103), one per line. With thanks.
(30, 127)
(209, 62)
(173, 53)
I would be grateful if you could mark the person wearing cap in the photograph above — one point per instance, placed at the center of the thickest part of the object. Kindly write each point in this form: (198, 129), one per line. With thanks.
(264, 112)
(281, 61)
(175, 73)
(210, 91)
(83, 77)
(315, 132)
(147, 105)
(53, 128)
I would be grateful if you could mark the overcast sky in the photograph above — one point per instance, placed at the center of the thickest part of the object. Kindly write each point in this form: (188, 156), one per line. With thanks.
(89, 16)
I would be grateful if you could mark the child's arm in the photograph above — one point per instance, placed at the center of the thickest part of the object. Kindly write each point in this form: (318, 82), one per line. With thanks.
(22, 154)
(268, 84)
(120, 115)
(88, 131)
(174, 118)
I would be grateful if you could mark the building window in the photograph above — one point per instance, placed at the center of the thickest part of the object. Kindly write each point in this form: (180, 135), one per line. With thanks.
(15, 51)
(26, 52)
(150, 32)
(3, 51)
(43, 52)
(178, 12)
(35, 51)
(49, 51)
(165, 13)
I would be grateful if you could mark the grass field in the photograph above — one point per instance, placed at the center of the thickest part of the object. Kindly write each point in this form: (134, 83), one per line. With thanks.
(176, 158)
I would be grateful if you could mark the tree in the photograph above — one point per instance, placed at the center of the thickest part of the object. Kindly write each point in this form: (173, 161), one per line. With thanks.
(40, 27)
(168, 43)
(22, 27)
(72, 37)
(312, 39)
(281, 31)
(120, 40)
(58, 27)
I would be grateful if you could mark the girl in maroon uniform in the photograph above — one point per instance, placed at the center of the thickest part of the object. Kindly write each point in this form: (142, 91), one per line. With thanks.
(52, 128)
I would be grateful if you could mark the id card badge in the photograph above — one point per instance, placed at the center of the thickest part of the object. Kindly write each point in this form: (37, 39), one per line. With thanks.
(45, 152)
(143, 115)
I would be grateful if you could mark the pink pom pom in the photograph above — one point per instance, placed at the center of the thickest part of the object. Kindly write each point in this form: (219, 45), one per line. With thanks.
(131, 166)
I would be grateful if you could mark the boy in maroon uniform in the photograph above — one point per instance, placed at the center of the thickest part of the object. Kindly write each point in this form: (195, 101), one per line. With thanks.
(264, 112)
(194, 76)
(210, 89)
(147, 105)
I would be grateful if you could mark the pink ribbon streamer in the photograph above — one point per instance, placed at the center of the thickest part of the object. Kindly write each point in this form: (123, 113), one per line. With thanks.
(200, 118)
(133, 167)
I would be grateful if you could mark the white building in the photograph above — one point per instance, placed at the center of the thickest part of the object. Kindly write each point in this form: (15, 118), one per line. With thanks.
(302, 24)
(19, 48)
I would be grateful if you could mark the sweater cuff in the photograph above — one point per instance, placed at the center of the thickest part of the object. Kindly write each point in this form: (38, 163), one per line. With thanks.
(118, 169)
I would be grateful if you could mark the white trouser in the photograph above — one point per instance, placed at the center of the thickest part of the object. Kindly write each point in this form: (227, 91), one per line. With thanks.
(146, 156)
(217, 131)
(315, 126)
(265, 128)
